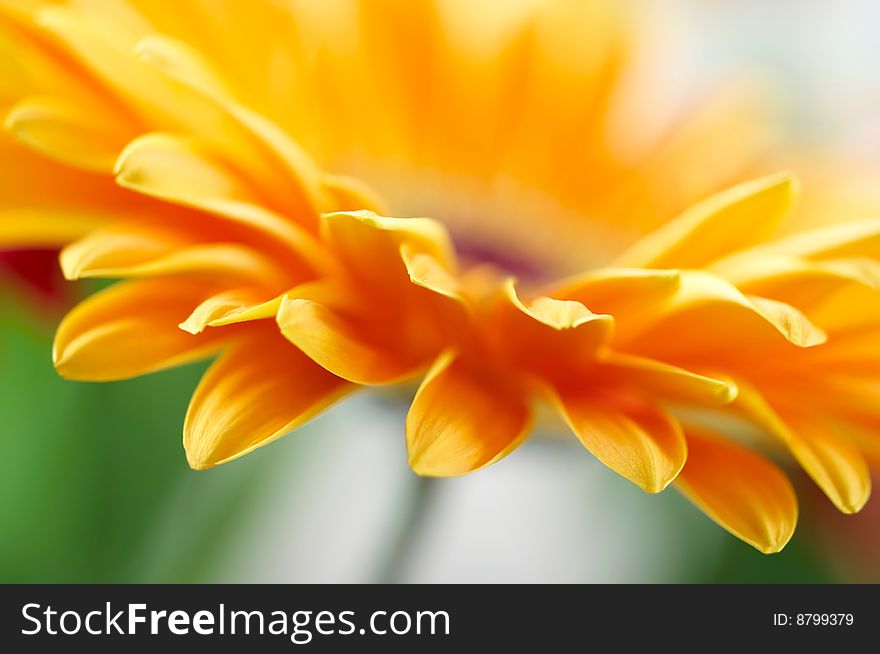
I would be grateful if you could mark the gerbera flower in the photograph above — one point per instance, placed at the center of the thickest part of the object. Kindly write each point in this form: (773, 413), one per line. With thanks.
(817, 400)
(257, 146)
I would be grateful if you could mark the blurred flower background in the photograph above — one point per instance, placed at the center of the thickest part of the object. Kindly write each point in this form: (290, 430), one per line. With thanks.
(94, 488)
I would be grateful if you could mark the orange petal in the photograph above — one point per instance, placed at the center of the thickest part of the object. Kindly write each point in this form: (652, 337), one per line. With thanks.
(343, 346)
(795, 280)
(230, 307)
(105, 50)
(607, 290)
(352, 194)
(550, 337)
(36, 228)
(130, 329)
(731, 220)
(67, 132)
(191, 172)
(635, 438)
(425, 271)
(301, 186)
(370, 244)
(707, 317)
(462, 420)
(257, 391)
(665, 381)
(833, 462)
(740, 490)
(137, 251)
(842, 239)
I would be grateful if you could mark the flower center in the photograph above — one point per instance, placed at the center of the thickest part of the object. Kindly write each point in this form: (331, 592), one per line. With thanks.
(497, 222)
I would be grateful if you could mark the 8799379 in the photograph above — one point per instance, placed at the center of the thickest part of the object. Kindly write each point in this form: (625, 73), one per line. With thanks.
(813, 619)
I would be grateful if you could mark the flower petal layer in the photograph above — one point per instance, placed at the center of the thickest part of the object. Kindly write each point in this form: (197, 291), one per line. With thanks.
(65, 131)
(731, 220)
(835, 464)
(632, 436)
(302, 185)
(742, 491)
(191, 172)
(845, 239)
(138, 251)
(665, 381)
(552, 338)
(342, 345)
(462, 420)
(230, 307)
(370, 244)
(706, 317)
(130, 329)
(32, 228)
(257, 391)
(795, 280)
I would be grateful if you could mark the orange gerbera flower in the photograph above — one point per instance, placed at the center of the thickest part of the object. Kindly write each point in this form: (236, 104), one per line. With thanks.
(256, 145)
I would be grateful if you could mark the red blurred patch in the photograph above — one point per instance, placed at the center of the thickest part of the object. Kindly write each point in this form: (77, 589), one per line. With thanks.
(37, 275)
(851, 541)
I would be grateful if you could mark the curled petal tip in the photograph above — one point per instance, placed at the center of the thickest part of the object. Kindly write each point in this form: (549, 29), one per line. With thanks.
(191, 326)
(727, 392)
(197, 462)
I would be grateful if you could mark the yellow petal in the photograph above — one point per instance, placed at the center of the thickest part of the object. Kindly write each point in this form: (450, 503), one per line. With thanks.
(788, 321)
(256, 392)
(255, 303)
(731, 220)
(128, 330)
(107, 54)
(181, 62)
(863, 434)
(69, 133)
(553, 338)
(343, 346)
(190, 172)
(795, 280)
(232, 306)
(831, 459)
(180, 168)
(31, 63)
(665, 381)
(853, 308)
(740, 490)
(711, 146)
(116, 247)
(559, 315)
(617, 290)
(302, 186)
(461, 420)
(709, 316)
(352, 194)
(137, 251)
(841, 239)
(34, 228)
(370, 244)
(834, 463)
(79, 194)
(425, 271)
(633, 437)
